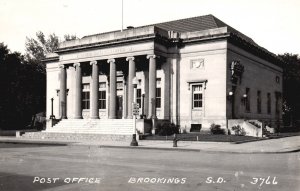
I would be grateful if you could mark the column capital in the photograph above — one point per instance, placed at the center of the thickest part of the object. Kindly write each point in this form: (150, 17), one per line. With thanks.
(152, 56)
(62, 66)
(77, 64)
(130, 58)
(111, 60)
(93, 62)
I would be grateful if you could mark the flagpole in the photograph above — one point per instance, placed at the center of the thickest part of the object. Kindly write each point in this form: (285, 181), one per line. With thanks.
(122, 17)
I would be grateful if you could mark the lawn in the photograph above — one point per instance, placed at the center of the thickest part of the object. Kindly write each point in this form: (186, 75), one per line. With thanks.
(205, 137)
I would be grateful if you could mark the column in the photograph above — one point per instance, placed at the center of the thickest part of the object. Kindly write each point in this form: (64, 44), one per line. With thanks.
(63, 92)
(131, 75)
(152, 86)
(124, 98)
(113, 89)
(94, 91)
(78, 91)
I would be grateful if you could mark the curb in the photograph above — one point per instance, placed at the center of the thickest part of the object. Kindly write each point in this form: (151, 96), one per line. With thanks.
(51, 143)
(197, 150)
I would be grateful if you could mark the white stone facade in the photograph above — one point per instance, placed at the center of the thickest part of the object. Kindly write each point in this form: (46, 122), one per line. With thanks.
(193, 72)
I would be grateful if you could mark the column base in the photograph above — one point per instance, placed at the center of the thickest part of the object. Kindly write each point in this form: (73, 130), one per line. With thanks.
(94, 117)
(78, 117)
(112, 117)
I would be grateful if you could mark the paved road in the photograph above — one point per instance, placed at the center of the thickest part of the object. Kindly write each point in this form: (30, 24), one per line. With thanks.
(137, 169)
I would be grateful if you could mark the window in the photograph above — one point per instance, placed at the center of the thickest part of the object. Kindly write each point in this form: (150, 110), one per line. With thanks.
(85, 96)
(102, 95)
(197, 96)
(277, 102)
(158, 93)
(258, 102)
(247, 100)
(158, 98)
(139, 97)
(269, 103)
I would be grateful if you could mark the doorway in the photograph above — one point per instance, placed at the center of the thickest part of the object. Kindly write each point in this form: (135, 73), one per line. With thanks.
(119, 107)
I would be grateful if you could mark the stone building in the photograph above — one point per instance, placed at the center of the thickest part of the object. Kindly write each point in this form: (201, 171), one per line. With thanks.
(191, 72)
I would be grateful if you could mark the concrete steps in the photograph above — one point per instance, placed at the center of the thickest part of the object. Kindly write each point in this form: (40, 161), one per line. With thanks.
(88, 129)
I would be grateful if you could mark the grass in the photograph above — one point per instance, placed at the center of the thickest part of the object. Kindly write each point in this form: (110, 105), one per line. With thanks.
(205, 137)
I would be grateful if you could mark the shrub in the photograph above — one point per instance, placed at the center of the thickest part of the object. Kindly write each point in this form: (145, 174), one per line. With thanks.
(216, 129)
(238, 130)
(167, 129)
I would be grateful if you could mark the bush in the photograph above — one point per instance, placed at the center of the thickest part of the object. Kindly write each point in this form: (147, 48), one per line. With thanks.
(166, 129)
(238, 130)
(216, 129)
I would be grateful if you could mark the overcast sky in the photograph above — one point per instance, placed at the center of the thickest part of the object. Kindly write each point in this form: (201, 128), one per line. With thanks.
(273, 24)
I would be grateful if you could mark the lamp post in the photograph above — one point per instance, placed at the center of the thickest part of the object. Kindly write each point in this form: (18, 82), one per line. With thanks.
(134, 111)
(52, 116)
(143, 105)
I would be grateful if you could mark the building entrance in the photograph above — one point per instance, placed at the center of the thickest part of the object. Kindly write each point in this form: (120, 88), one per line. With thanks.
(119, 107)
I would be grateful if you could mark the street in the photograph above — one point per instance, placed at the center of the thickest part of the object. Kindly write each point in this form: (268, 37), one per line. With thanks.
(32, 167)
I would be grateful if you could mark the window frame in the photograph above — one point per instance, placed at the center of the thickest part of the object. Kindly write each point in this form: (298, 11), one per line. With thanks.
(197, 92)
(101, 100)
(86, 96)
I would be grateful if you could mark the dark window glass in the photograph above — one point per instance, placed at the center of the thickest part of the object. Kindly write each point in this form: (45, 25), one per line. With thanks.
(85, 100)
(197, 96)
(102, 100)
(269, 103)
(258, 102)
(139, 97)
(158, 98)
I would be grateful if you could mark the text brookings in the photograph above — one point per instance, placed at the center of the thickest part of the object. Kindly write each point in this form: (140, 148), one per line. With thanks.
(156, 180)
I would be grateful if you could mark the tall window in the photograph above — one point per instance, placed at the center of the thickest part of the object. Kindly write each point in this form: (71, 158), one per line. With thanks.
(247, 100)
(158, 93)
(258, 102)
(269, 103)
(85, 96)
(102, 95)
(139, 97)
(197, 96)
(277, 102)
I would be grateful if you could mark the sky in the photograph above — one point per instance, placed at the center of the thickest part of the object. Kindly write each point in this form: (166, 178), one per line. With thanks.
(273, 24)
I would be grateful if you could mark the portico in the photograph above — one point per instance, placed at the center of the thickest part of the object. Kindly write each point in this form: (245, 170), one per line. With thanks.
(127, 71)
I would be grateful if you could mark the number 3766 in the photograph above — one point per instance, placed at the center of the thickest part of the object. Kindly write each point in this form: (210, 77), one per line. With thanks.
(261, 181)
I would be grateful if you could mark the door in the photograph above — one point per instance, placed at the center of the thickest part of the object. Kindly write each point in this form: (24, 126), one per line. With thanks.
(119, 107)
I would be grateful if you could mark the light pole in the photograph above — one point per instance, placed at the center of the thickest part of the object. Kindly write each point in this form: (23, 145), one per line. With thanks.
(135, 111)
(52, 116)
(143, 105)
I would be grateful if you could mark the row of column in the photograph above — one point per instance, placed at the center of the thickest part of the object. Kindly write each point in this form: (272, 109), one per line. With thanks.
(94, 110)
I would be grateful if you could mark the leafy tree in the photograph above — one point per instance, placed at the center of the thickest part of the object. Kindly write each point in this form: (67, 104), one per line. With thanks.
(24, 90)
(291, 87)
(70, 37)
(23, 80)
(37, 49)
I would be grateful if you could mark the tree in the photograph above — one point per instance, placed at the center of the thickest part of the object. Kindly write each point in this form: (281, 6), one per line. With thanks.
(24, 90)
(291, 87)
(23, 80)
(70, 37)
(37, 49)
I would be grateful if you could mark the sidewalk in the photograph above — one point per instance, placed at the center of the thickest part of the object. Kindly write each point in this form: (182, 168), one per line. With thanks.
(282, 145)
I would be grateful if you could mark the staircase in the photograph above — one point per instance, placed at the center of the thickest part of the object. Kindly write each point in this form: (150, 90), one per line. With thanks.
(88, 129)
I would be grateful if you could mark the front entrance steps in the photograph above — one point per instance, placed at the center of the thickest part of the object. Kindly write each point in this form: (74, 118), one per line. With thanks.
(88, 129)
